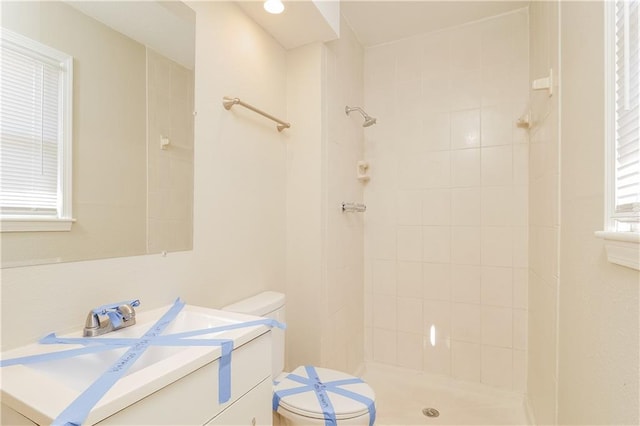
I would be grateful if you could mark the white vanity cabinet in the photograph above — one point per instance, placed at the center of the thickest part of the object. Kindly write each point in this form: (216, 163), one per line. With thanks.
(173, 385)
(193, 399)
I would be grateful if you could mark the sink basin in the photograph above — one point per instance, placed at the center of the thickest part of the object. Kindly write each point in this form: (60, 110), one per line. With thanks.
(42, 391)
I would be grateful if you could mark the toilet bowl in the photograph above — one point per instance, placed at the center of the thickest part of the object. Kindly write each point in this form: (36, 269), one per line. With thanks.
(308, 395)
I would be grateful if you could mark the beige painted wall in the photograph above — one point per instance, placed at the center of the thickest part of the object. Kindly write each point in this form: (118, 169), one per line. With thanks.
(599, 348)
(544, 215)
(109, 138)
(324, 246)
(239, 205)
(306, 147)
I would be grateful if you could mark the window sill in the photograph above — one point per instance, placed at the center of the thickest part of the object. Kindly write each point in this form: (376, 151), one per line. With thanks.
(623, 248)
(27, 224)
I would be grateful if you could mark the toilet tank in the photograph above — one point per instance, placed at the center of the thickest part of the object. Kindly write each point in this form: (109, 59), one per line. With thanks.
(268, 304)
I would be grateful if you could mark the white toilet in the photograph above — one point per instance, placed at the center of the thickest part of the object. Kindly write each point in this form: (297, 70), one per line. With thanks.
(309, 395)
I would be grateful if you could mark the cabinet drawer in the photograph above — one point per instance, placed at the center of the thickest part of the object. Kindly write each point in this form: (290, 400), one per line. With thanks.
(252, 409)
(193, 399)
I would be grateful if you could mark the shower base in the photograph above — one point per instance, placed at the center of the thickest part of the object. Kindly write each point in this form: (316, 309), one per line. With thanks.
(408, 397)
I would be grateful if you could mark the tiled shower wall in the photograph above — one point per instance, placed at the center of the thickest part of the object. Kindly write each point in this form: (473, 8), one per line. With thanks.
(170, 170)
(446, 237)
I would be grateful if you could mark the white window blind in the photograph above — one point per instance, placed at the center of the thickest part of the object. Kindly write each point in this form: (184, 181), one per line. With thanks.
(627, 112)
(35, 88)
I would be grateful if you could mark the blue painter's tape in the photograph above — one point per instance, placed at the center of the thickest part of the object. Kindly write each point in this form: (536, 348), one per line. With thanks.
(224, 372)
(80, 408)
(267, 321)
(77, 412)
(102, 310)
(313, 384)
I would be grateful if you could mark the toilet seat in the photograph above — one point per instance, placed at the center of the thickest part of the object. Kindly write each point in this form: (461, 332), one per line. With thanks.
(306, 403)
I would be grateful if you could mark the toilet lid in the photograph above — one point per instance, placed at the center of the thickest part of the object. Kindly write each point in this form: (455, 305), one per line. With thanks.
(306, 403)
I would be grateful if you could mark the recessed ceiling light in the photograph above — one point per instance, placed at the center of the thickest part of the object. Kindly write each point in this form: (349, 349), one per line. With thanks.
(274, 6)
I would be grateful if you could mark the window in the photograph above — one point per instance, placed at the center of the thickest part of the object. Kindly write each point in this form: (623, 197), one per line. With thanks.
(622, 88)
(35, 136)
(624, 116)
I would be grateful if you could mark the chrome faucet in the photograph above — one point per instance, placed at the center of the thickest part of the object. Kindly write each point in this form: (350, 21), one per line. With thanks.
(107, 318)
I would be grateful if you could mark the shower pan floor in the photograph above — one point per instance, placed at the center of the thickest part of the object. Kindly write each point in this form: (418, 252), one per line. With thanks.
(402, 395)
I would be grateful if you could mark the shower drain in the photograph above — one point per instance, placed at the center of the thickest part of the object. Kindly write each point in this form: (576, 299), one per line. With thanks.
(430, 412)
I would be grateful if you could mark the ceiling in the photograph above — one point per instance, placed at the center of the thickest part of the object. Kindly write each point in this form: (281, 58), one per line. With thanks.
(377, 22)
(374, 22)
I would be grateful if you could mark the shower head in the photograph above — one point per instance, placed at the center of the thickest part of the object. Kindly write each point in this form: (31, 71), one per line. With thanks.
(368, 120)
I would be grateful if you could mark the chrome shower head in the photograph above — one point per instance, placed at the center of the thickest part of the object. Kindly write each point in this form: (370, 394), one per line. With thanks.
(368, 120)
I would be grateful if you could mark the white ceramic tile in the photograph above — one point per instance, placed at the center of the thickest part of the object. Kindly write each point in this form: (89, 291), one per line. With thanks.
(368, 343)
(368, 310)
(385, 346)
(496, 124)
(497, 165)
(437, 314)
(466, 47)
(436, 207)
(411, 171)
(436, 244)
(520, 288)
(465, 283)
(437, 354)
(496, 249)
(520, 329)
(410, 350)
(465, 322)
(465, 245)
(436, 169)
(437, 131)
(520, 206)
(384, 312)
(497, 206)
(465, 168)
(465, 129)
(409, 207)
(519, 371)
(437, 281)
(466, 206)
(466, 89)
(465, 361)
(381, 206)
(521, 247)
(410, 315)
(497, 286)
(521, 164)
(409, 279)
(382, 242)
(497, 366)
(409, 243)
(497, 326)
(384, 277)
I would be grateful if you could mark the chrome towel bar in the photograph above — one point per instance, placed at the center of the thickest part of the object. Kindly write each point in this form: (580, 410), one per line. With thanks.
(353, 207)
(228, 102)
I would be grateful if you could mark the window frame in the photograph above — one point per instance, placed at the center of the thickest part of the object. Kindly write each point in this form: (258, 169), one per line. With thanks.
(622, 247)
(63, 220)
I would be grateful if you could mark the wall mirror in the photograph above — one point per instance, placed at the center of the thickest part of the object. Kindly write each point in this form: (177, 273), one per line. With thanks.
(132, 127)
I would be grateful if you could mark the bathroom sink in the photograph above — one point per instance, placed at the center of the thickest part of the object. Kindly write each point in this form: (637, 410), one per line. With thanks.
(41, 391)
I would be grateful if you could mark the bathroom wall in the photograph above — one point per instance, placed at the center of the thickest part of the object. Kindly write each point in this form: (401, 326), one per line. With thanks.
(324, 246)
(544, 216)
(446, 238)
(169, 169)
(239, 204)
(343, 337)
(599, 318)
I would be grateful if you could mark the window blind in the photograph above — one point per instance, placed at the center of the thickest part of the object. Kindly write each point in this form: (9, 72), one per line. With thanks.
(627, 111)
(30, 130)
